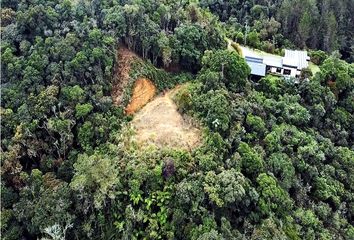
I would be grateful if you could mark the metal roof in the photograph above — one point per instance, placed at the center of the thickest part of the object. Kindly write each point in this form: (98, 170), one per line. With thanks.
(258, 69)
(295, 58)
(273, 61)
(254, 59)
(258, 60)
(256, 64)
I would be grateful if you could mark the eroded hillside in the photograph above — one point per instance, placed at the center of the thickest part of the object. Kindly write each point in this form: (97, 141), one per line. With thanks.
(124, 59)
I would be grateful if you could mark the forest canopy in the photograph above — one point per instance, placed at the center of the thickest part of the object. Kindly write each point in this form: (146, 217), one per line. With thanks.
(277, 157)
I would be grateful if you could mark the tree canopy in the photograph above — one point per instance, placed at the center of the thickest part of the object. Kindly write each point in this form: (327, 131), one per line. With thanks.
(276, 159)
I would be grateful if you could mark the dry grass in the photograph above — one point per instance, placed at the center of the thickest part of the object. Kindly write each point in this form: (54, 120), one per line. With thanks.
(144, 90)
(160, 124)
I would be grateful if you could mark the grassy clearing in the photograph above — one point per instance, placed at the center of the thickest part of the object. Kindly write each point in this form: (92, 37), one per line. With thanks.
(160, 124)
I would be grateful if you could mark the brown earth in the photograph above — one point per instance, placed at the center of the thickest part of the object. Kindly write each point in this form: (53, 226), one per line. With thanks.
(144, 90)
(160, 124)
(124, 58)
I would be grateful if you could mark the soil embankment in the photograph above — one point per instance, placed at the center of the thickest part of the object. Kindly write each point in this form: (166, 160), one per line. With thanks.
(124, 59)
(144, 90)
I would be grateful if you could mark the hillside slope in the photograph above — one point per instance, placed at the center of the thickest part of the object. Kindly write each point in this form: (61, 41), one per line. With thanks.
(124, 59)
(159, 123)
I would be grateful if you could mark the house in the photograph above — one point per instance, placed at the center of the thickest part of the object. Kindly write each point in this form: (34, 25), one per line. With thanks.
(274, 64)
(262, 63)
(294, 62)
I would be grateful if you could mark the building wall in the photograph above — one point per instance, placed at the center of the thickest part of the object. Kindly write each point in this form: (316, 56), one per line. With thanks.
(293, 71)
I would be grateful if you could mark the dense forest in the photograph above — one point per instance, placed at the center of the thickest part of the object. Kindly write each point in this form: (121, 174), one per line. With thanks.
(277, 158)
(316, 24)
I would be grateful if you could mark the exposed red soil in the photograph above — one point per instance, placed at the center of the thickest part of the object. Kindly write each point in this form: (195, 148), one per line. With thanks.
(144, 90)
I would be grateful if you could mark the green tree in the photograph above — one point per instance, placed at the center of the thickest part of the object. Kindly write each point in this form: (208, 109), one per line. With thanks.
(281, 166)
(253, 39)
(318, 56)
(305, 27)
(213, 108)
(239, 37)
(191, 40)
(96, 178)
(330, 41)
(232, 68)
(73, 94)
(272, 198)
(256, 124)
(310, 224)
(189, 46)
(336, 74)
(83, 110)
(252, 162)
(86, 135)
(269, 229)
(328, 189)
(46, 202)
(225, 188)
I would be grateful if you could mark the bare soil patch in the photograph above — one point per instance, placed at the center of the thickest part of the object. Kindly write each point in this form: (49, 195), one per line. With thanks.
(144, 90)
(159, 123)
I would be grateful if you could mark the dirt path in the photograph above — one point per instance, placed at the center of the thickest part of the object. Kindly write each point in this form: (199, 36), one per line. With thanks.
(159, 123)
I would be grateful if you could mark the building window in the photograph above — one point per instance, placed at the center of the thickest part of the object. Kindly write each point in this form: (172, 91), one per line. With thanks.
(278, 70)
(287, 71)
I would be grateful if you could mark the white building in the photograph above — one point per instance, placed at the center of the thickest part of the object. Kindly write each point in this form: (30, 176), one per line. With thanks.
(289, 65)
(294, 62)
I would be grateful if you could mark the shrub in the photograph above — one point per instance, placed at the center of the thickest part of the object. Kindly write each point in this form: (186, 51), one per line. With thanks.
(318, 56)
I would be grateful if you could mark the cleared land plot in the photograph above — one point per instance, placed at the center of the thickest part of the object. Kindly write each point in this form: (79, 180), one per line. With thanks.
(159, 123)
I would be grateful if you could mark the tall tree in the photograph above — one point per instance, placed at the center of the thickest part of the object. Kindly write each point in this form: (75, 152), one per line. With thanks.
(330, 38)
